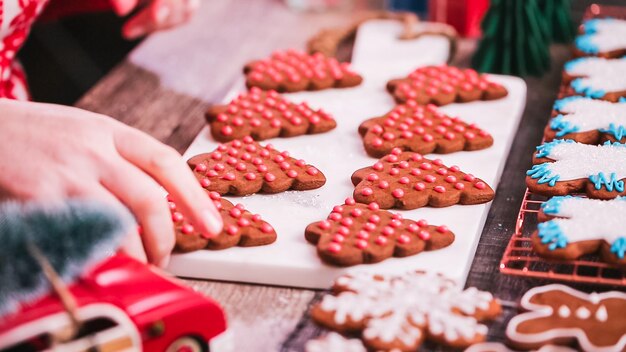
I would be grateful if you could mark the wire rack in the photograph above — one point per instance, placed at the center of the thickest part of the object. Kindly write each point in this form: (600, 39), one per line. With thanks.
(520, 259)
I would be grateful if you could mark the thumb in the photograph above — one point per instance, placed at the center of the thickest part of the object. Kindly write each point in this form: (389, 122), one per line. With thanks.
(123, 7)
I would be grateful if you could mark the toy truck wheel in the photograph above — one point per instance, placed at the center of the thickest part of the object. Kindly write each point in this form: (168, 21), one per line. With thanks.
(186, 344)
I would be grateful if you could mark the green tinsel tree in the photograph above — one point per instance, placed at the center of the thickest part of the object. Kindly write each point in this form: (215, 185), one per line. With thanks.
(558, 17)
(70, 236)
(515, 39)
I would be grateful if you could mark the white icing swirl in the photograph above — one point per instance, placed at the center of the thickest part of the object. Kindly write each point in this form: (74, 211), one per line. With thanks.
(599, 74)
(576, 160)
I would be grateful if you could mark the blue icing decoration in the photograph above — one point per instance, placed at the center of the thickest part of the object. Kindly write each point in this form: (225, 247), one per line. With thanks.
(561, 103)
(572, 63)
(544, 174)
(614, 144)
(591, 26)
(545, 149)
(562, 126)
(621, 100)
(553, 205)
(611, 184)
(619, 247)
(579, 87)
(550, 232)
(618, 131)
(585, 44)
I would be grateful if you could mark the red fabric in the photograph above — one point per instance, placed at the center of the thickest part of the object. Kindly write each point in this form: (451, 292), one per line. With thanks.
(63, 8)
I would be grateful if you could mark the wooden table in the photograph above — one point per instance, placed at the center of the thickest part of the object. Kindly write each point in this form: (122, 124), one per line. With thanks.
(166, 84)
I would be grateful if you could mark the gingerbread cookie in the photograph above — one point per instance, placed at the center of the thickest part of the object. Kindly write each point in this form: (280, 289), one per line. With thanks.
(603, 37)
(560, 315)
(421, 129)
(294, 71)
(441, 85)
(571, 227)
(361, 234)
(596, 77)
(564, 167)
(334, 342)
(407, 180)
(587, 120)
(499, 347)
(399, 312)
(241, 228)
(243, 167)
(265, 115)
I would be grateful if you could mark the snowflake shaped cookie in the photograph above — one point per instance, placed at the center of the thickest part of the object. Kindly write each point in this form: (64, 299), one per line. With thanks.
(597, 78)
(605, 37)
(400, 312)
(587, 120)
(564, 167)
(561, 315)
(573, 226)
(421, 129)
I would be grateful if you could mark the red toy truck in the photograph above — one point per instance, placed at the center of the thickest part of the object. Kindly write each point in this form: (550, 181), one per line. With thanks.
(123, 305)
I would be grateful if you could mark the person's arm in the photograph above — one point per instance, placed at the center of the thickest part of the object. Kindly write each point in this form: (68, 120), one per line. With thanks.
(51, 152)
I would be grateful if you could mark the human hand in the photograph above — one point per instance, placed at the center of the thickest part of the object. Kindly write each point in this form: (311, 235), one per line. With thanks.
(154, 15)
(50, 153)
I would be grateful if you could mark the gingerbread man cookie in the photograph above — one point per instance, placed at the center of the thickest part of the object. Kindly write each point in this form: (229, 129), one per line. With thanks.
(407, 180)
(561, 315)
(356, 234)
(571, 227)
(587, 120)
(241, 228)
(441, 85)
(564, 167)
(603, 37)
(596, 77)
(421, 129)
(399, 312)
(243, 167)
(293, 71)
(265, 115)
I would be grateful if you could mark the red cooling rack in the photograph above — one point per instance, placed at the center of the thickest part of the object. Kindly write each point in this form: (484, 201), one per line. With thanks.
(519, 258)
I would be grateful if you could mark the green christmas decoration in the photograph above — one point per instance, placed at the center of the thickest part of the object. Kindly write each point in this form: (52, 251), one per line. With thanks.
(70, 236)
(558, 17)
(515, 39)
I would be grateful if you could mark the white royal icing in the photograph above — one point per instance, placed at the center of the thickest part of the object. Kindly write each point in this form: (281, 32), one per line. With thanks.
(334, 342)
(590, 114)
(399, 306)
(583, 313)
(576, 160)
(600, 74)
(602, 314)
(539, 311)
(608, 35)
(582, 219)
(564, 311)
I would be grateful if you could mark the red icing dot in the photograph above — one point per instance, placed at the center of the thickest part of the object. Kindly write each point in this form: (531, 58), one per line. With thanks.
(430, 178)
(442, 229)
(424, 235)
(350, 201)
(415, 172)
(205, 182)
(335, 216)
(403, 239)
(269, 177)
(383, 184)
(422, 223)
(176, 217)
(200, 168)
(324, 225)
(363, 235)
(338, 238)
(373, 206)
(243, 222)
(229, 176)
(343, 229)
(388, 231)
(361, 244)
(235, 212)
(459, 186)
(312, 171)
(372, 177)
(437, 162)
(292, 173)
(374, 219)
(266, 228)
(469, 178)
(334, 247)
(186, 229)
(403, 180)
(450, 179)
(480, 185)
(356, 212)
(442, 171)
(393, 171)
(250, 176)
(398, 193)
(378, 166)
(367, 191)
(419, 186)
(440, 189)
(381, 240)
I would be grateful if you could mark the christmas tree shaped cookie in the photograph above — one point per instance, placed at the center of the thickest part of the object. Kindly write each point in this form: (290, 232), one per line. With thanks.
(407, 180)
(564, 167)
(596, 77)
(397, 313)
(573, 226)
(441, 85)
(604, 37)
(357, 233)
(293, 71)
(241, 228)
(243, 167)
(265, 115)
(558, 314)
(587, 121)
(421, 129)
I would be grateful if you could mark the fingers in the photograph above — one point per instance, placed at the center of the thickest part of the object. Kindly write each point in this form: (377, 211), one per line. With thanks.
(132, 244)
(123, 7)
(147, 201)
(167, 167)
(159, 14)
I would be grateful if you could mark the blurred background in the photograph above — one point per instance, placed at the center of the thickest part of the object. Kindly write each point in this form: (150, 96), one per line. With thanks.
(95, 46)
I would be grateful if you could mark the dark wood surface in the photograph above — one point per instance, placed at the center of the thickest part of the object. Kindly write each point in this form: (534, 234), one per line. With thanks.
(225, 35)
